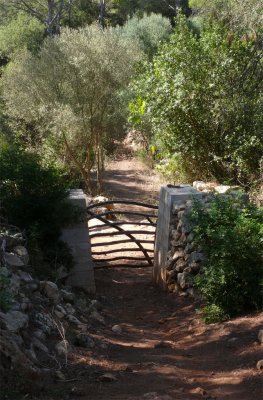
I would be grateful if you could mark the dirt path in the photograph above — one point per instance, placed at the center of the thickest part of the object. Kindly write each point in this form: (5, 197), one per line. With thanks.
(162, 350)
(128, 178)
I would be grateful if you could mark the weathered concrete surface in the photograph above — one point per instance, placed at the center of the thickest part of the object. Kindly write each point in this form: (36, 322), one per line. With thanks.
(77, 238)
(169, 197)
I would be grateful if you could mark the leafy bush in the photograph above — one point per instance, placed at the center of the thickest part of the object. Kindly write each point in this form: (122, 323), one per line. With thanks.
(22, 32)
(34, 198)
(201, 97)
(147, 31)
(229, 232)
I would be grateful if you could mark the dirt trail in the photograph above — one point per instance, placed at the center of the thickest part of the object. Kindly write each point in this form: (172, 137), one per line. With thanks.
(128, 178)
(163, 351)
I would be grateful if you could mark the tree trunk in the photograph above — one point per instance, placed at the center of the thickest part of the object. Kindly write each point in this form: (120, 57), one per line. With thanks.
(84, 172)
(102, 14)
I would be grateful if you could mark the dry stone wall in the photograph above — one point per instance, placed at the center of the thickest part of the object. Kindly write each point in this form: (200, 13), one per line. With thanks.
(183, 259)
(177, 260)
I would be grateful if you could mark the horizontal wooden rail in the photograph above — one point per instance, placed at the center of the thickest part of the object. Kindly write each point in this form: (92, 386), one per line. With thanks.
(105, 234)
(123, 223)
(120, 242)
(123, 266)
(128, 202)
(123, 258)
(105, 252)
(133, 213)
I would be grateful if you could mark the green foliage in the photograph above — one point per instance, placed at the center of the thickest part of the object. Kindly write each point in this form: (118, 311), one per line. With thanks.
(213, 313)
(34, 198)
(73, 94)
(147, 31)
(30, 193)
(229, 232)
(170, 168)
(5, 294)
(202, 100)
(242, 16)
(21, 32)
(119, 11)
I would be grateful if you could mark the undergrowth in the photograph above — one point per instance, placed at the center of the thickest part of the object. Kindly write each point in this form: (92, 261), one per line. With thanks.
(230, 233)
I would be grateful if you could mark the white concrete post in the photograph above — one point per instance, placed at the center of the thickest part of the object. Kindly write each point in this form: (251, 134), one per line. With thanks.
(77, 238)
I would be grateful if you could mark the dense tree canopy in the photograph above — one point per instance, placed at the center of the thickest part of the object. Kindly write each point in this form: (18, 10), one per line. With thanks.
(202, 96)
(197, 95)
(148, 32)
(21, 32)
(72, 93)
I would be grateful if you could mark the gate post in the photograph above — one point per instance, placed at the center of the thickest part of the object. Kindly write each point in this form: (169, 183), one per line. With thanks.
(169, 197)
(77, 238)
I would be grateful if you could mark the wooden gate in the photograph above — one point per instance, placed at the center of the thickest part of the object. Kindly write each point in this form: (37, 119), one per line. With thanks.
(124, 227)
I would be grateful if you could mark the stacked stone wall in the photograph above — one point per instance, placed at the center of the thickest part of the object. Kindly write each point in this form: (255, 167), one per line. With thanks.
(184, 260)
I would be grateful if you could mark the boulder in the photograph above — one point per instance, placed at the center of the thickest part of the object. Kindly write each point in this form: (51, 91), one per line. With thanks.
(12, 260)
(45, 323)
(69, 308)
(51, 290)
(22, 253)
(196, 257)
(14, 320)
(62, 347)
(39, 334)
(178, 254)
(16, 368)
(84, 340)
(67, 296)
(97, 317)
(24, 276)
(180, 265)
(204, 186)
(73, 319)
(117, 329)
(260, 336)
(184, 280)
(39, 345)
(223, 189)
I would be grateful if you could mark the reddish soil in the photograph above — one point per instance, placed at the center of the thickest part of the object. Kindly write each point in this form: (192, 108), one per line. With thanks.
(164, 351)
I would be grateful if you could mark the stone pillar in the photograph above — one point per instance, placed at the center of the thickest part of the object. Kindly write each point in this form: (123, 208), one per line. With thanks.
(77, 238)
(169, 197)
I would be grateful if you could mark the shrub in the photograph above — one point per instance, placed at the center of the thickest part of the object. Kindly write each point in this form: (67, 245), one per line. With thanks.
(21, 32)
(229, 232)
(147, 31)
(201, 99)
(34, 198)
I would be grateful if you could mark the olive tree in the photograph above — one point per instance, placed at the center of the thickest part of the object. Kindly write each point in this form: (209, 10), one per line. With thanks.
(73, 94)
(147, 31)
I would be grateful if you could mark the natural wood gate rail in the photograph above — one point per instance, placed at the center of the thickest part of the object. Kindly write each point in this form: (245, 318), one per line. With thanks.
(131, 235)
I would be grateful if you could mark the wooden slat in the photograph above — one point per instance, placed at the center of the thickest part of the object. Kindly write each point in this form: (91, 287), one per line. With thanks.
(105, 234)
(121, 258)
(120, 242)
(105, 252)
(128, 202)
(113, 212)
(123, 266)
(110, 225)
